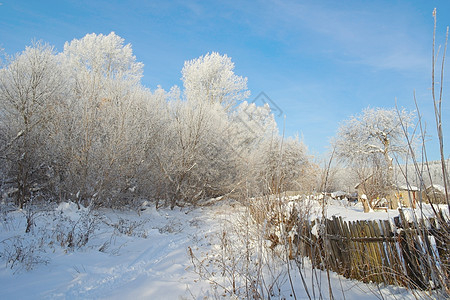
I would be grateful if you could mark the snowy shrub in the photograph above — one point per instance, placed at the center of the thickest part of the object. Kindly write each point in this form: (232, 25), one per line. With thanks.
(240, 265)
(22, 253)
(129, 227)
(6, 218)
(72, 231)
(251, 255)
(439, 268)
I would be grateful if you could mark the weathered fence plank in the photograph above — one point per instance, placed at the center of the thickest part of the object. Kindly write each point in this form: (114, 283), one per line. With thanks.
(375, 251)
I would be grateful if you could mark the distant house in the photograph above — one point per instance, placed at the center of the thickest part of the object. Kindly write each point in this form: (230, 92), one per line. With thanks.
(435, 194)
(406, 195)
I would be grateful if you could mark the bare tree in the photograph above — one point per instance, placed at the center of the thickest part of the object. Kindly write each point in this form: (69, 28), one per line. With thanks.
(370, 140)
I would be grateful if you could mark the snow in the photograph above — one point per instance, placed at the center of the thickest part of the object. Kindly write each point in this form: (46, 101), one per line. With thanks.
(338, 194)
(150, 267)
(355, 211)
(437, 187)
(142, 255)
(408, 188)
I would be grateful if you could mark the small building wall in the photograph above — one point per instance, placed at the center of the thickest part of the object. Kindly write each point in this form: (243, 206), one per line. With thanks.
(406, 198)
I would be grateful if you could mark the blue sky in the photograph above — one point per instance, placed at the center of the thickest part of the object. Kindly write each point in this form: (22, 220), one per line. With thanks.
(319, 61)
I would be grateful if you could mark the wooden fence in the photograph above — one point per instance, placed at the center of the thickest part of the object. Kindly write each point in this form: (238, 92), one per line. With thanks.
(405, 254)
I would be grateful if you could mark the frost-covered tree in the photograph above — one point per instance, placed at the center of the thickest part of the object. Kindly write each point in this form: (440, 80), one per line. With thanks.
(368, 142)
(104, 56)
(282, 165)
(252, 124)
(195, 156)
(80, 126)
(104, 82)
(31, 88)
(210, 78)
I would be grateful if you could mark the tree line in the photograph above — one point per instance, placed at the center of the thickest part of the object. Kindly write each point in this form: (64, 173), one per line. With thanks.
(79, 125)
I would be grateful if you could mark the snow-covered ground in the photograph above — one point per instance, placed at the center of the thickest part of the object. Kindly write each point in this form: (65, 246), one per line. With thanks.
(353, 212)
(145, 259)
(131, 255)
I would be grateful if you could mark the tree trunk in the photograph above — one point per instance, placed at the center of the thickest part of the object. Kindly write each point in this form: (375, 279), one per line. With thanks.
(393, 203)
(365, 203)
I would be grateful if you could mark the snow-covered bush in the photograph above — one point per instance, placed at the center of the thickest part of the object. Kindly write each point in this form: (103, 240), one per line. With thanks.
(22, 254)
(240, 264)
(72, 231)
